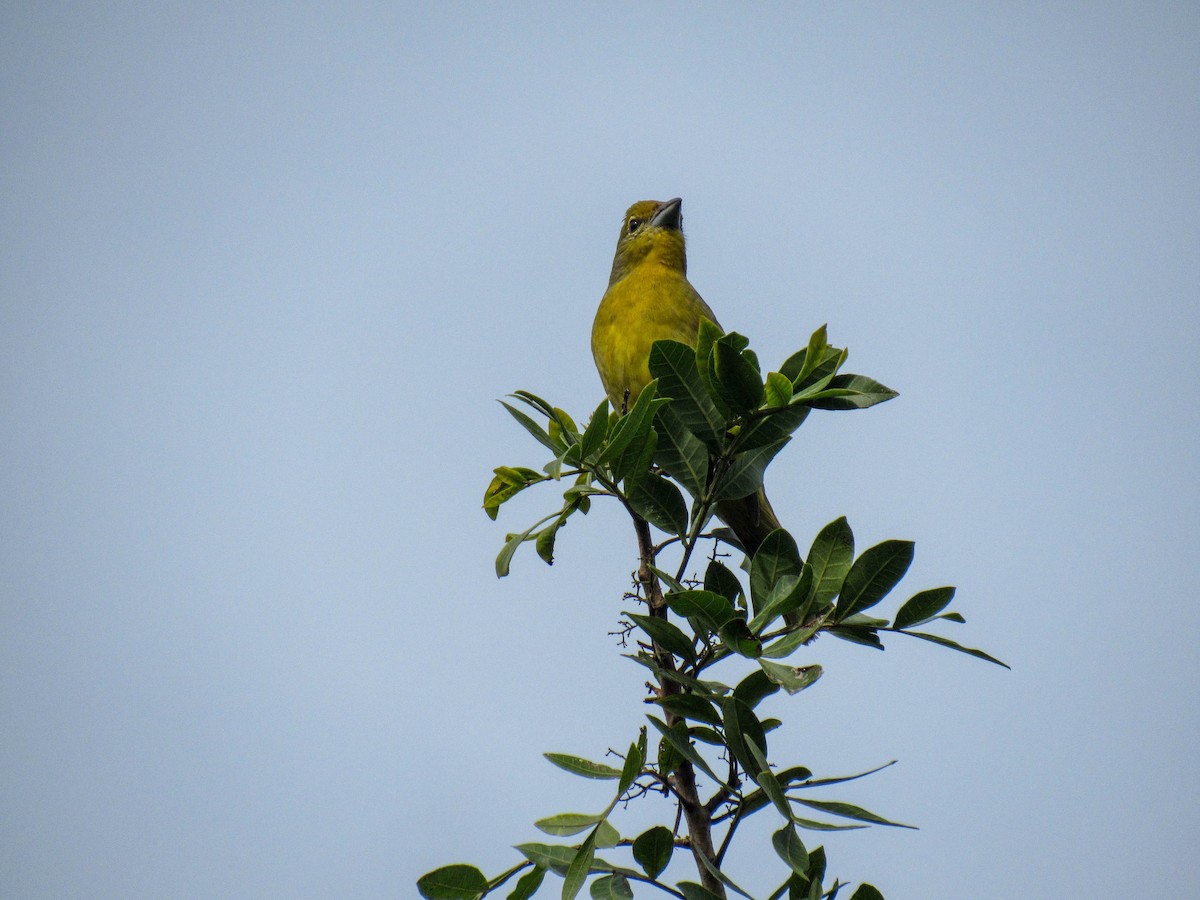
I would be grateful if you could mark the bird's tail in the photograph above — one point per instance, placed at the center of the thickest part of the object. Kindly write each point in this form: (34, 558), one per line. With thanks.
(751, 519)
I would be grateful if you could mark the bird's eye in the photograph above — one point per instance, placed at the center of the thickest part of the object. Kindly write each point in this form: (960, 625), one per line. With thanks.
(634, 225)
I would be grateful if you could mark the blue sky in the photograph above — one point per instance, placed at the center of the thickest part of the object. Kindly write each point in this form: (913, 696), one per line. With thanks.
(266, 269)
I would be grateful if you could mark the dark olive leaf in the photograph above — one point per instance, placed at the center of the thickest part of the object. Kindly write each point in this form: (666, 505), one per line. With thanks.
(866, 892)
(658, 501)
(754, 688)
(634, 425)
(772, 425)
(876, 571)
(736, 380)
(667, 635)
(777, 557)
(580, 868)
(744, 734)
(596, 432)
(652, 849)
(923, 606)
(791, 849)
(635, 760)
(713, 609)
(809, 782)
(707, 335)
(690, 706)
(633, 464)
(693, 891)
(831, 556)
(740, 639)
(534, 429)
(680, 453)
(457, 882)
(970, 651)
(528, 884)
(721, 876)
(720, 580)
(853, 392)
(857, 634)
(674, 365)
(800, 365)
(849, 811)
(611, 887)
(678, 739)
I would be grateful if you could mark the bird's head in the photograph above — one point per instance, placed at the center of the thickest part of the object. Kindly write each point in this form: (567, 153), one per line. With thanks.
(652, 232)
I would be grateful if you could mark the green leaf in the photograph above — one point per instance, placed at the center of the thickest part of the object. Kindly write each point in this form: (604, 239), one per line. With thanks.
(712, 609)
(959, 647)
(667, 635)
(535, 429)
(790, 597)
(772, 425)
(566, 824)
(744, 734)
(791, 849)
(791, 679)
(866, 892)
(858, 392)
(857, 634)
(612, 887)
(740, 639)
(807, 360)
(873, 575)
(457, 882)
(652, 849)
(778, 389)
(504, 557)
(674, 365)
(777, 557)
(745, 475)
(923, 607)
(754, 688)
(693, 891)
(557, 858)
(787, 644)
(577, 765)
(680, 453)
(507, 483)
(721, 876)
(596, 431)
(774, 790)
(720, 580)
(849, 811)
(544, 542)
(830, 557)
(528, 884)
(679, 741)
(634, 464)
(580, 868)
(606, 835)
(634, 425)
(736, 381)
(635, 759)
(708, 333)
(690, 706)
(810, 782)
(659, 502)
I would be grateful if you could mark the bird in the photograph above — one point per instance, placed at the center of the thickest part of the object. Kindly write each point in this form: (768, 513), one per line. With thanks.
(649, 298)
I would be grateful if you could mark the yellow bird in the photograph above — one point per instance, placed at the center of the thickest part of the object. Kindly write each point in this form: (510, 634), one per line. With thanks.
(650, 299)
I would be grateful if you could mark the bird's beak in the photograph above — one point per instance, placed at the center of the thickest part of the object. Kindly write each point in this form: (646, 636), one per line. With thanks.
(668, 215)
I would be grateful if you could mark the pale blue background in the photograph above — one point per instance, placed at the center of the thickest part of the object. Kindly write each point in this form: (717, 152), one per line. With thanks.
(265, 269)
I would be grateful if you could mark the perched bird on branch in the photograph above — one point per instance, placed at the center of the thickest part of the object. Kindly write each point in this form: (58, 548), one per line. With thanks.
(649, 298)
